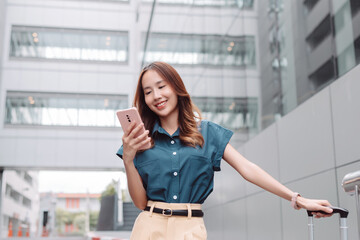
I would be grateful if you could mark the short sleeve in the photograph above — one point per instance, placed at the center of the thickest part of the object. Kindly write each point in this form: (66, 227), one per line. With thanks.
(120, 152)
(220, 137)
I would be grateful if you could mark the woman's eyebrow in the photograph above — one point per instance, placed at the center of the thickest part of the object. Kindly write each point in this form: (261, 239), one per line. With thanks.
(157, 83)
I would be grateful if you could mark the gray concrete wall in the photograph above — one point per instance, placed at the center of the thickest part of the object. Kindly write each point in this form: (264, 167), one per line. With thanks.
(310, 150)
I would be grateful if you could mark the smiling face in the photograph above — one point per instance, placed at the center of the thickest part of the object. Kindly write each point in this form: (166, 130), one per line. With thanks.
(159, 95)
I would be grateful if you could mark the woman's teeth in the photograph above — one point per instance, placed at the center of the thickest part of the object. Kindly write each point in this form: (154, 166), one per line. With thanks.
(160, 104)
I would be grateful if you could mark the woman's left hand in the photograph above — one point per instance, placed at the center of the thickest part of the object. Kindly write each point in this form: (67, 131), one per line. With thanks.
(315, 205)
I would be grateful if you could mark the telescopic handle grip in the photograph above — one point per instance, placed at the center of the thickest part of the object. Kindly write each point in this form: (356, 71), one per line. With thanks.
(342, 211)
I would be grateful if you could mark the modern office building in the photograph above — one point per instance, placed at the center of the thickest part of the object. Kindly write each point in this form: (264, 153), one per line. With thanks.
(309, 104)
(68, 65)
(20, 203)
(281, 74)
(305, 46)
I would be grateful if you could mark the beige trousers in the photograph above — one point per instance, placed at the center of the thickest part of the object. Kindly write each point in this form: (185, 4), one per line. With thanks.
(154, 226)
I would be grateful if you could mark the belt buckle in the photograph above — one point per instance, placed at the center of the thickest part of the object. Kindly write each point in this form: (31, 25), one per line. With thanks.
(165, 212)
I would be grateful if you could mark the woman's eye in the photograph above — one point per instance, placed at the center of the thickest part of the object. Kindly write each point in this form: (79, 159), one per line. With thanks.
(147, 93)
(162, 86)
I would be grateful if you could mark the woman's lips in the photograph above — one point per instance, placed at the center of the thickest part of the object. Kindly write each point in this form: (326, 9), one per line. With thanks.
(160, 105)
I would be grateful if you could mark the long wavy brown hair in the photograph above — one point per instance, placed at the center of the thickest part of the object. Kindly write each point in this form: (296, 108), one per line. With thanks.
(189, 133)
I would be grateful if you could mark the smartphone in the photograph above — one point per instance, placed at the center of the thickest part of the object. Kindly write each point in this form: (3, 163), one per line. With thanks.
(126, 117)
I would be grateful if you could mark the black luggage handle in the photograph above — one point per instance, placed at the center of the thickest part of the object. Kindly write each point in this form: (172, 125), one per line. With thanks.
(342, 211)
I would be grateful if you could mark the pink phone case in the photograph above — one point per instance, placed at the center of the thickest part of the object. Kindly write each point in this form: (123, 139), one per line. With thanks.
(127, 116)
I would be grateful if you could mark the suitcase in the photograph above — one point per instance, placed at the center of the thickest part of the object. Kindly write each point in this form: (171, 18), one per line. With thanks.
(343, 225)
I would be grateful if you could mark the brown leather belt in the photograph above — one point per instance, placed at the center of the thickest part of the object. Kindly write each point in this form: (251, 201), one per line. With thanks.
(176, 212)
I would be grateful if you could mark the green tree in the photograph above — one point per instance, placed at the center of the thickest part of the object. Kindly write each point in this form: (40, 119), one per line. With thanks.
(110, 189)
(79, 223)
(94, 216)
(64, 218)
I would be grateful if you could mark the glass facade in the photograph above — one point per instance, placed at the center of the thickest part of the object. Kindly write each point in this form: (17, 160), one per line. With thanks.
(232, 113)
(213, 62)
(63, 109)
(105, 1)
(323, 47)
(192, 49)
(68, 44)
(243, 4)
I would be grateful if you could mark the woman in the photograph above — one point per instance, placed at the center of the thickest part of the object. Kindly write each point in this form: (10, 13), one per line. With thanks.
(171, 179)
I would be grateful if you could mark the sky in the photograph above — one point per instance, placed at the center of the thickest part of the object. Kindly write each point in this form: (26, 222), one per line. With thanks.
(78, 181)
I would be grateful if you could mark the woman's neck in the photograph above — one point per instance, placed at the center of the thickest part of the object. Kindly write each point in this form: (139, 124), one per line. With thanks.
(170, 123)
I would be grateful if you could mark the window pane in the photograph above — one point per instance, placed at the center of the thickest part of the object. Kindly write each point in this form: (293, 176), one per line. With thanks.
(28, 178)
(201, 49)
(233, 113)
(344, 36)
(243, 4)
(69, 44)
(27, 108)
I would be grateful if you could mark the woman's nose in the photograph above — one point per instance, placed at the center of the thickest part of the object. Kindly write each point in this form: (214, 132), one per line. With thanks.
(156, 94)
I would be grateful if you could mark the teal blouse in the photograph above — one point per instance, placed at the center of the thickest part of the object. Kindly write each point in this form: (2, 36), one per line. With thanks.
(174, 173)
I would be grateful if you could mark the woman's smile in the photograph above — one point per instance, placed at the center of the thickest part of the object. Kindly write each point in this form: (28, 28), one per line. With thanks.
(161, 105)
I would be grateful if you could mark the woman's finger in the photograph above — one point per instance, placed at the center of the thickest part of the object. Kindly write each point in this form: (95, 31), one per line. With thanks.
(321, 215)
(136, 143)
(143, 142)
(324, 206)
(135, 130)
(141, 137)
(327, 210)
(128, 130)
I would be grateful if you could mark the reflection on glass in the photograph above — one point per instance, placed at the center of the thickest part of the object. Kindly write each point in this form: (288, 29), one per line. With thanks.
(296, 63)
(102, 0)
(233, 113)
(243, 4)
(344, 36)
(69, 44)
(201, 49)
(309, 5)
(317, 36)
(26, 108)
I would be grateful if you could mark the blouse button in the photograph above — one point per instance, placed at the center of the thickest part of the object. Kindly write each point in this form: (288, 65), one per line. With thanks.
(174, 153)
(174, 197)
(172, 142)
(175, 174)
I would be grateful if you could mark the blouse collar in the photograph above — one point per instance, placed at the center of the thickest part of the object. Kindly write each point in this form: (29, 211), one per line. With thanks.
(159, 129)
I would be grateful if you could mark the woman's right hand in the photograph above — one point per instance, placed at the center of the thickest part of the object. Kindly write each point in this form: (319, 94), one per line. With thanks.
(132, 144)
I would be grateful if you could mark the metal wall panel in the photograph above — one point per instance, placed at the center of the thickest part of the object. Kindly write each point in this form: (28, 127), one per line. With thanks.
(214, 222)
(345, 101)
(305, 139)
(235, 220)
(263, 151)
(232, 185)
(263, 216)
